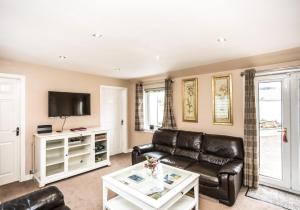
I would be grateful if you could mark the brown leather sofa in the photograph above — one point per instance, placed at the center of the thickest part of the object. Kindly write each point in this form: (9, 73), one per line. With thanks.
(49, 198)
(217, 158)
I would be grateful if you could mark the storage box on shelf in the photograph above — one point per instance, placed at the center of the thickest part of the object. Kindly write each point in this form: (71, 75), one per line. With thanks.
(61, 155)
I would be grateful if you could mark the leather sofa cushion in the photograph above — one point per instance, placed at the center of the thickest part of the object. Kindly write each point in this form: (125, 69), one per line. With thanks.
(208, 173)
(165, 137)
(155, 154)
(166, 149)
(223, 146)
(214, 159)
(189, 140)
(187, 153)
(177, 161)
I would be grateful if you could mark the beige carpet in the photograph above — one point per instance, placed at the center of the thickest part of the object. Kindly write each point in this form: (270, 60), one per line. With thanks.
(84, 192)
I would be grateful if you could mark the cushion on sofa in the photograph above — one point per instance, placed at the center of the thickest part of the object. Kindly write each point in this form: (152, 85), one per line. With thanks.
(155, 154)
(177, 161)
(208, 173)
(223, 146)
(188, 144)
(214, 159)
(165, 140)
(165, 137)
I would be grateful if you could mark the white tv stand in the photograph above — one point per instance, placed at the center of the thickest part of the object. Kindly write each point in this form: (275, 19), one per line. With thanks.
(62, 155)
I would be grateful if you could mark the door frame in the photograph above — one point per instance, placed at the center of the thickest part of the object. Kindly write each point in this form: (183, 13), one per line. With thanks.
(295, 123)
(124, 128)
(22, 157)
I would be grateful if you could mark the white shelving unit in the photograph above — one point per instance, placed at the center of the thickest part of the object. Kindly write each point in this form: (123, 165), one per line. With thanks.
(61, 155)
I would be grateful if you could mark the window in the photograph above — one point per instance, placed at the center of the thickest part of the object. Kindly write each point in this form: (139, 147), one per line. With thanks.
(154, 108)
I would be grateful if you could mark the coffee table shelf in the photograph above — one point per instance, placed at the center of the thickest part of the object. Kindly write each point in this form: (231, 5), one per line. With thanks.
(186, 202)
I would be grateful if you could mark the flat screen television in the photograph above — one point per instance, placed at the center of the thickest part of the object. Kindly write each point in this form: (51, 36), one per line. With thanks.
(63, 104)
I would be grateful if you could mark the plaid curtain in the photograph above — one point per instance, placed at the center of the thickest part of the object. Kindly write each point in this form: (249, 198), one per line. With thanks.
(169, 118)
(250, 140)
(139, 107)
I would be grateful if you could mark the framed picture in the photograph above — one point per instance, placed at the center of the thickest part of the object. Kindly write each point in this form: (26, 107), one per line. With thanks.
(222, 100)
(190, 100)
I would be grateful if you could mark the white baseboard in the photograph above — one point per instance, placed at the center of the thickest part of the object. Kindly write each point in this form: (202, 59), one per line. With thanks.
(129, 150)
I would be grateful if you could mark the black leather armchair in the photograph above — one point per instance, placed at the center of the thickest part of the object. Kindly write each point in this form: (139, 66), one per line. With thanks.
(49, 198)
(217, 158)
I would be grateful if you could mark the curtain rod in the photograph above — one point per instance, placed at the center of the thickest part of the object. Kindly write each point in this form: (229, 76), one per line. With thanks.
(153, 82)
(277, 70)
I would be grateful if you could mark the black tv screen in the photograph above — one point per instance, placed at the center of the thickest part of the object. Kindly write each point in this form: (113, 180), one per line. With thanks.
(61, 104)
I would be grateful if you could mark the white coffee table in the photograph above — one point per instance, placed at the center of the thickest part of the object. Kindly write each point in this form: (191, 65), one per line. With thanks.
(139, 190)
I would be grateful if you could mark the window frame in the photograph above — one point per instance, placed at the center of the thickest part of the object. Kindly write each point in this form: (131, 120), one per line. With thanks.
(147, 105)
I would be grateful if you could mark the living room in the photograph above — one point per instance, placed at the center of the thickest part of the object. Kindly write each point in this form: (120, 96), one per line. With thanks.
(149, 104)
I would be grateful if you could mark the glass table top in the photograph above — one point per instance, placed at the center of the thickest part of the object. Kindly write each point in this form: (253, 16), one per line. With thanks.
(155, 186)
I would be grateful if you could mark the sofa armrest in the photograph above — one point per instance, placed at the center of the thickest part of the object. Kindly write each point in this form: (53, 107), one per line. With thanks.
(232, 168)
(47, 198)
(143, 148)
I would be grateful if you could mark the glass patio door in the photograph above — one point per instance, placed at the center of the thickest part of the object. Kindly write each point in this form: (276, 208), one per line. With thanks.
(273, 110)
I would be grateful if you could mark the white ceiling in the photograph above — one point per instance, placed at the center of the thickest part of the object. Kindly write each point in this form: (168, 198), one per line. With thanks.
(182, 33)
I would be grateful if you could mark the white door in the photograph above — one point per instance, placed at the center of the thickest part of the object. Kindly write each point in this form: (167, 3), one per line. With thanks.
(9, 130)
(112, 116)
(278, 130)
(273, 118)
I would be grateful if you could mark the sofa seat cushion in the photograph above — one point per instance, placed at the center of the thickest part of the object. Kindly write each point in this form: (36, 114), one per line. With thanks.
(155, 154)
(208, 173)
(177, 161)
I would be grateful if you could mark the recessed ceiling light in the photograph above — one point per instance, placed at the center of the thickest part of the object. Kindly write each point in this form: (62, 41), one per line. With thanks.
(62, 57)
(96, 35)
(158, 57)
(221, 39)
(117, 69)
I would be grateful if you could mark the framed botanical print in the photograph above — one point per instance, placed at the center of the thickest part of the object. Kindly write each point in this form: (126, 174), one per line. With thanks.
(190, 100)
(222, 100)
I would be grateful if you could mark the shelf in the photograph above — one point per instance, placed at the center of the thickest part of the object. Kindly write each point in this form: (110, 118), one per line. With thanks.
(78, 145)
(77, 166)
(55, 146)
(78, 153)
(55, 169)
(101, 152)
(98, 140)
(54, 161)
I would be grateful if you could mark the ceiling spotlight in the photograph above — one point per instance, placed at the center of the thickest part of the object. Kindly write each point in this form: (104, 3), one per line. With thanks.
(221, 39)
(97, 35)
(158, 57)
(62, 57)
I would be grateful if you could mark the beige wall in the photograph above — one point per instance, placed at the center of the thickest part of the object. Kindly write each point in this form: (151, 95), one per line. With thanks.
(39, 80)
(205, 99)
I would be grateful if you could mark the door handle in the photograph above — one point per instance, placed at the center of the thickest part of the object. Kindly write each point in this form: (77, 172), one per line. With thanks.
(284, 135)
(122, 122)
(17, 131)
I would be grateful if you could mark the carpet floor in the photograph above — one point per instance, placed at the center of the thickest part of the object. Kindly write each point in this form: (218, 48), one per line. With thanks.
(84, 192)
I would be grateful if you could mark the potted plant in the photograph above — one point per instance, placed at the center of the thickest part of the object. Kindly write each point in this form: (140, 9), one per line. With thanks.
(151, 164)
